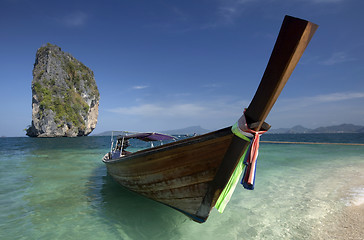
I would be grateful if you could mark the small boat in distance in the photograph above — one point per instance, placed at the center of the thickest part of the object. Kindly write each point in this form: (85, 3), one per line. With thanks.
(195, 174)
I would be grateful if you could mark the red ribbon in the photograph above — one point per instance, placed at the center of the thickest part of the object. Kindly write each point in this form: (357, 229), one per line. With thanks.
(250, 160)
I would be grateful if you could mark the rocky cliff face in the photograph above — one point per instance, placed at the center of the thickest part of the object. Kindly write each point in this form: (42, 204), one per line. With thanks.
(65, 96)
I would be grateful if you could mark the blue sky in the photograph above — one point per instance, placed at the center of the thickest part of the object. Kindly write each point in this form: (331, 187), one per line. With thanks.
(163, 65)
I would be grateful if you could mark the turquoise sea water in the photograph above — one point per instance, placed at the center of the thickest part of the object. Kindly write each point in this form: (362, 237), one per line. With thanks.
(59, 189)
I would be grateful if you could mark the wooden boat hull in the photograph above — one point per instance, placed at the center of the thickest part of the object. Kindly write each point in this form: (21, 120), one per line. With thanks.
(178, 174)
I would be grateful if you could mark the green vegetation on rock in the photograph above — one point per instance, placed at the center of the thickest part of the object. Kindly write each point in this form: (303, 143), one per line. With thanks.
(64, 86)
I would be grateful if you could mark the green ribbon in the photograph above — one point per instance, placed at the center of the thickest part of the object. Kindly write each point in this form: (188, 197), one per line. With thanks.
(237, 132)
(228, 191)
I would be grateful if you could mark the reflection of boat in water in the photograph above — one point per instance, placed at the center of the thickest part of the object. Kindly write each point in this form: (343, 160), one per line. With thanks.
(192, 175)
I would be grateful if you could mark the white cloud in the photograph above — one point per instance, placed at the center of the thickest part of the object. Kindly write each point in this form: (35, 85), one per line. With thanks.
(231, 9)
(182, 16)
(151, 110)
(75, 19)
(320, 110)
(225, 110)
(228, 11)
(316, 101)
(211, 114)
(145, 110)
(337, 57)
(333, 97)
(140, 87)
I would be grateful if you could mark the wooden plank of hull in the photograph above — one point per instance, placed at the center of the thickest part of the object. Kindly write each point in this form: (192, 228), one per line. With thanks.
(176, 174)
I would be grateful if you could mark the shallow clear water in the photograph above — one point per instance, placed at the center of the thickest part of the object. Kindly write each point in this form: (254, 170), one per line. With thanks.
(59, 189)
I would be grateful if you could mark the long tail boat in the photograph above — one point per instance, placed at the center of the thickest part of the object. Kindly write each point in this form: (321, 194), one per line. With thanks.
(191, 175)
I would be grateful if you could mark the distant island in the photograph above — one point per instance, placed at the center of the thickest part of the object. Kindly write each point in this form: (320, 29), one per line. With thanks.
(343, 128)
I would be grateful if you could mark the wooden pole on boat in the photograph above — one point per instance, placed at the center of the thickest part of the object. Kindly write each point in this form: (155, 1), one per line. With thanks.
(293, 38)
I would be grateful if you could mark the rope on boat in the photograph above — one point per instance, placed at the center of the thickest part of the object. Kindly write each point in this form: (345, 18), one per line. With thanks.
(318, 143)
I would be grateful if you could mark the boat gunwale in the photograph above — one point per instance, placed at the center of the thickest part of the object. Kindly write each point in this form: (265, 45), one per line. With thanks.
(169, 146)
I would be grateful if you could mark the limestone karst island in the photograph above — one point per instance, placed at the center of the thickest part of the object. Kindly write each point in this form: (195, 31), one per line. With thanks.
(65, 98)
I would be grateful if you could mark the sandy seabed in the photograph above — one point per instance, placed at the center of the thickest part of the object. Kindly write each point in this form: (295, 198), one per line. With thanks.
(347, 223)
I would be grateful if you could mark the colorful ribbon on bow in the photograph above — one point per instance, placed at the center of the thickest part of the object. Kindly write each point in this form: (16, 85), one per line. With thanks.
(250, 159)
(247, 163)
